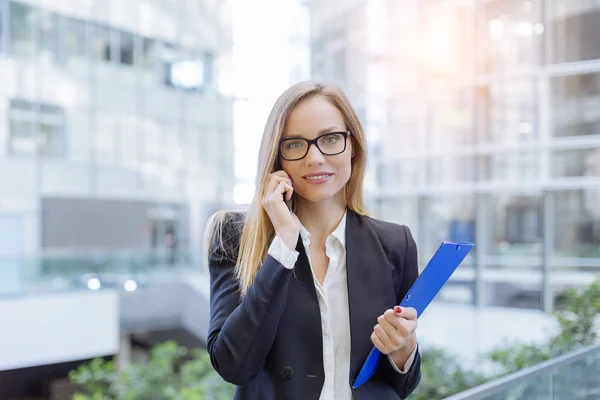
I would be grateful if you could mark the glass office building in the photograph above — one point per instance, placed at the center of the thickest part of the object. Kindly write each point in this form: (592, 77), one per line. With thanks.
(483, 120)
(113, 132)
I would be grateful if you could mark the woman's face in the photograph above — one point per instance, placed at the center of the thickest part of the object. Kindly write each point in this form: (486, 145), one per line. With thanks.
(317, 177)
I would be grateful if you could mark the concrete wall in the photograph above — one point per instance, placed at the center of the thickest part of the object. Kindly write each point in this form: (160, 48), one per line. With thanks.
(58, 328)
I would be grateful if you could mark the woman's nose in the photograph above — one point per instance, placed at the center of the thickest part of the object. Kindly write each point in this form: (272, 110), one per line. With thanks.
(314, 156)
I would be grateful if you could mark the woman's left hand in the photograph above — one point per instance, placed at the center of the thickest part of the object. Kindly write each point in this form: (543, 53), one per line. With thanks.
(395, 332)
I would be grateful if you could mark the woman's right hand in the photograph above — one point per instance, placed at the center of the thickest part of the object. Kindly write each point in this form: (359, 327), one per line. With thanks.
(285, 222)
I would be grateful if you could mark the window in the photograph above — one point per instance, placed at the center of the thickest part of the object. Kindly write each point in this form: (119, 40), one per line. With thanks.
(576, 27)
(449, 120)
(577, 223)
(576, 108)
(126, 45)
(76, 38)
(21, 29)
(508, 112)
(576, 162)
(148, 53)
(444, 169)
(523, 222)
(451, 217)
(512, 226)
(513, 166)
(101, 49)
(48, 44)
(509, 24)
(35, 128)
(185, 74)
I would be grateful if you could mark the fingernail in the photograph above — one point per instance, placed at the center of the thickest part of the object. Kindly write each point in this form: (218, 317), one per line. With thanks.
(397, 309)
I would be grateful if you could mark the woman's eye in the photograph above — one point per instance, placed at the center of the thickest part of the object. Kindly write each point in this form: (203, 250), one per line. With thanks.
(293, 145)
(330, 139)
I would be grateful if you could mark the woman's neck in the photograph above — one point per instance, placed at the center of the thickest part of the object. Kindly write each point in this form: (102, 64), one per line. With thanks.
(321, 218)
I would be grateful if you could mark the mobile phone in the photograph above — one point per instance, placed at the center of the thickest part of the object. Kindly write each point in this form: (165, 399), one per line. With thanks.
(287, 202)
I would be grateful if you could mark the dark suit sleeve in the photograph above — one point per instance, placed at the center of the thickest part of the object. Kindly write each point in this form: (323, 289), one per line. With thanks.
(242, 331)
(405, 384)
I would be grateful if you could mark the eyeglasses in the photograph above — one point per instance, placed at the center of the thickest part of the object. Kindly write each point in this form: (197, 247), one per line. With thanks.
(329, 144)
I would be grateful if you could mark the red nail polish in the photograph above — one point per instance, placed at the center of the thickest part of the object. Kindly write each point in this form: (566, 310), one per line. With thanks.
(397, 309)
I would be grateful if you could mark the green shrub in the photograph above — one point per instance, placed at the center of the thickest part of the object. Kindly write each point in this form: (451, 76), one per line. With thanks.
(172, 372)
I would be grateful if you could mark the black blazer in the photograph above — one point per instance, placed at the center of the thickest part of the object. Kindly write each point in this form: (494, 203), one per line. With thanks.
(270, 345)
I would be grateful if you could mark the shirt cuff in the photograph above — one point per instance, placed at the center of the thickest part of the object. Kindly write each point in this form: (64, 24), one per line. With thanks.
(407, 364)
(279, 251)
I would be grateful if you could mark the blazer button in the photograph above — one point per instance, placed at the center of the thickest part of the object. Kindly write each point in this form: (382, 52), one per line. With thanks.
(286, 373)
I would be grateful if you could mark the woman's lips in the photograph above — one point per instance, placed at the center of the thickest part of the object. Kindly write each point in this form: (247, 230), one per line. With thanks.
(317, 179)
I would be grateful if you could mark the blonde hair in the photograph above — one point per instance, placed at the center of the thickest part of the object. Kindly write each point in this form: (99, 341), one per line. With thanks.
(257, 232)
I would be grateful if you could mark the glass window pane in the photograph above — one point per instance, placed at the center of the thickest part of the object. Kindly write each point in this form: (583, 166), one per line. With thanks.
(448, 218)
(21, 105)
(511, 245)
(577, 223)
(101, 44)
(21, 29)
(48, 45)
(576, 108)
(448, 169)
(76, 38)
(508, 112)
(576, 28)
(512, 166)
(449, 119)
(397, 174)
(126, 45)
(576, 163)
(513, 225)
(574, 380)
(148, 53)
(21, 137)
(511, 35)
(50, 140)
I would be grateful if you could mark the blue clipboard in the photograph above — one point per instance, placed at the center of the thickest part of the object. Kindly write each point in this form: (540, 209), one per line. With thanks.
(437, 272)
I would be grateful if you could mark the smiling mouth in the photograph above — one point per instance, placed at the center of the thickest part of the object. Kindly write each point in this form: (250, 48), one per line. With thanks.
(317, 177)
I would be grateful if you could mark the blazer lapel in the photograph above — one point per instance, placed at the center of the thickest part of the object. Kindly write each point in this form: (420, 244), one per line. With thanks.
(370, 286)
(303, 316)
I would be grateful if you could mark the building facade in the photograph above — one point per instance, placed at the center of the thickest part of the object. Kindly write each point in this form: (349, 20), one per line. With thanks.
(487, 129)
(113, 133)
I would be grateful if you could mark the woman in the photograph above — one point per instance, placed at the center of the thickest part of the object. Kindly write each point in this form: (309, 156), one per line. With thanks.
(305, 283)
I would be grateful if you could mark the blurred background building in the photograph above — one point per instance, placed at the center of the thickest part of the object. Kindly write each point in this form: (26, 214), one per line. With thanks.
(114, 136)
(484, 126)
(115, 146)
(125, 124)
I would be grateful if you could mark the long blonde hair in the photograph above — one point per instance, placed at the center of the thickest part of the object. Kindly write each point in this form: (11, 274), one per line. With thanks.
(257, 232)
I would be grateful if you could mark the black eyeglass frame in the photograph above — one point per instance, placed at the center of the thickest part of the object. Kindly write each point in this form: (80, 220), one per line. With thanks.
(314, 141)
